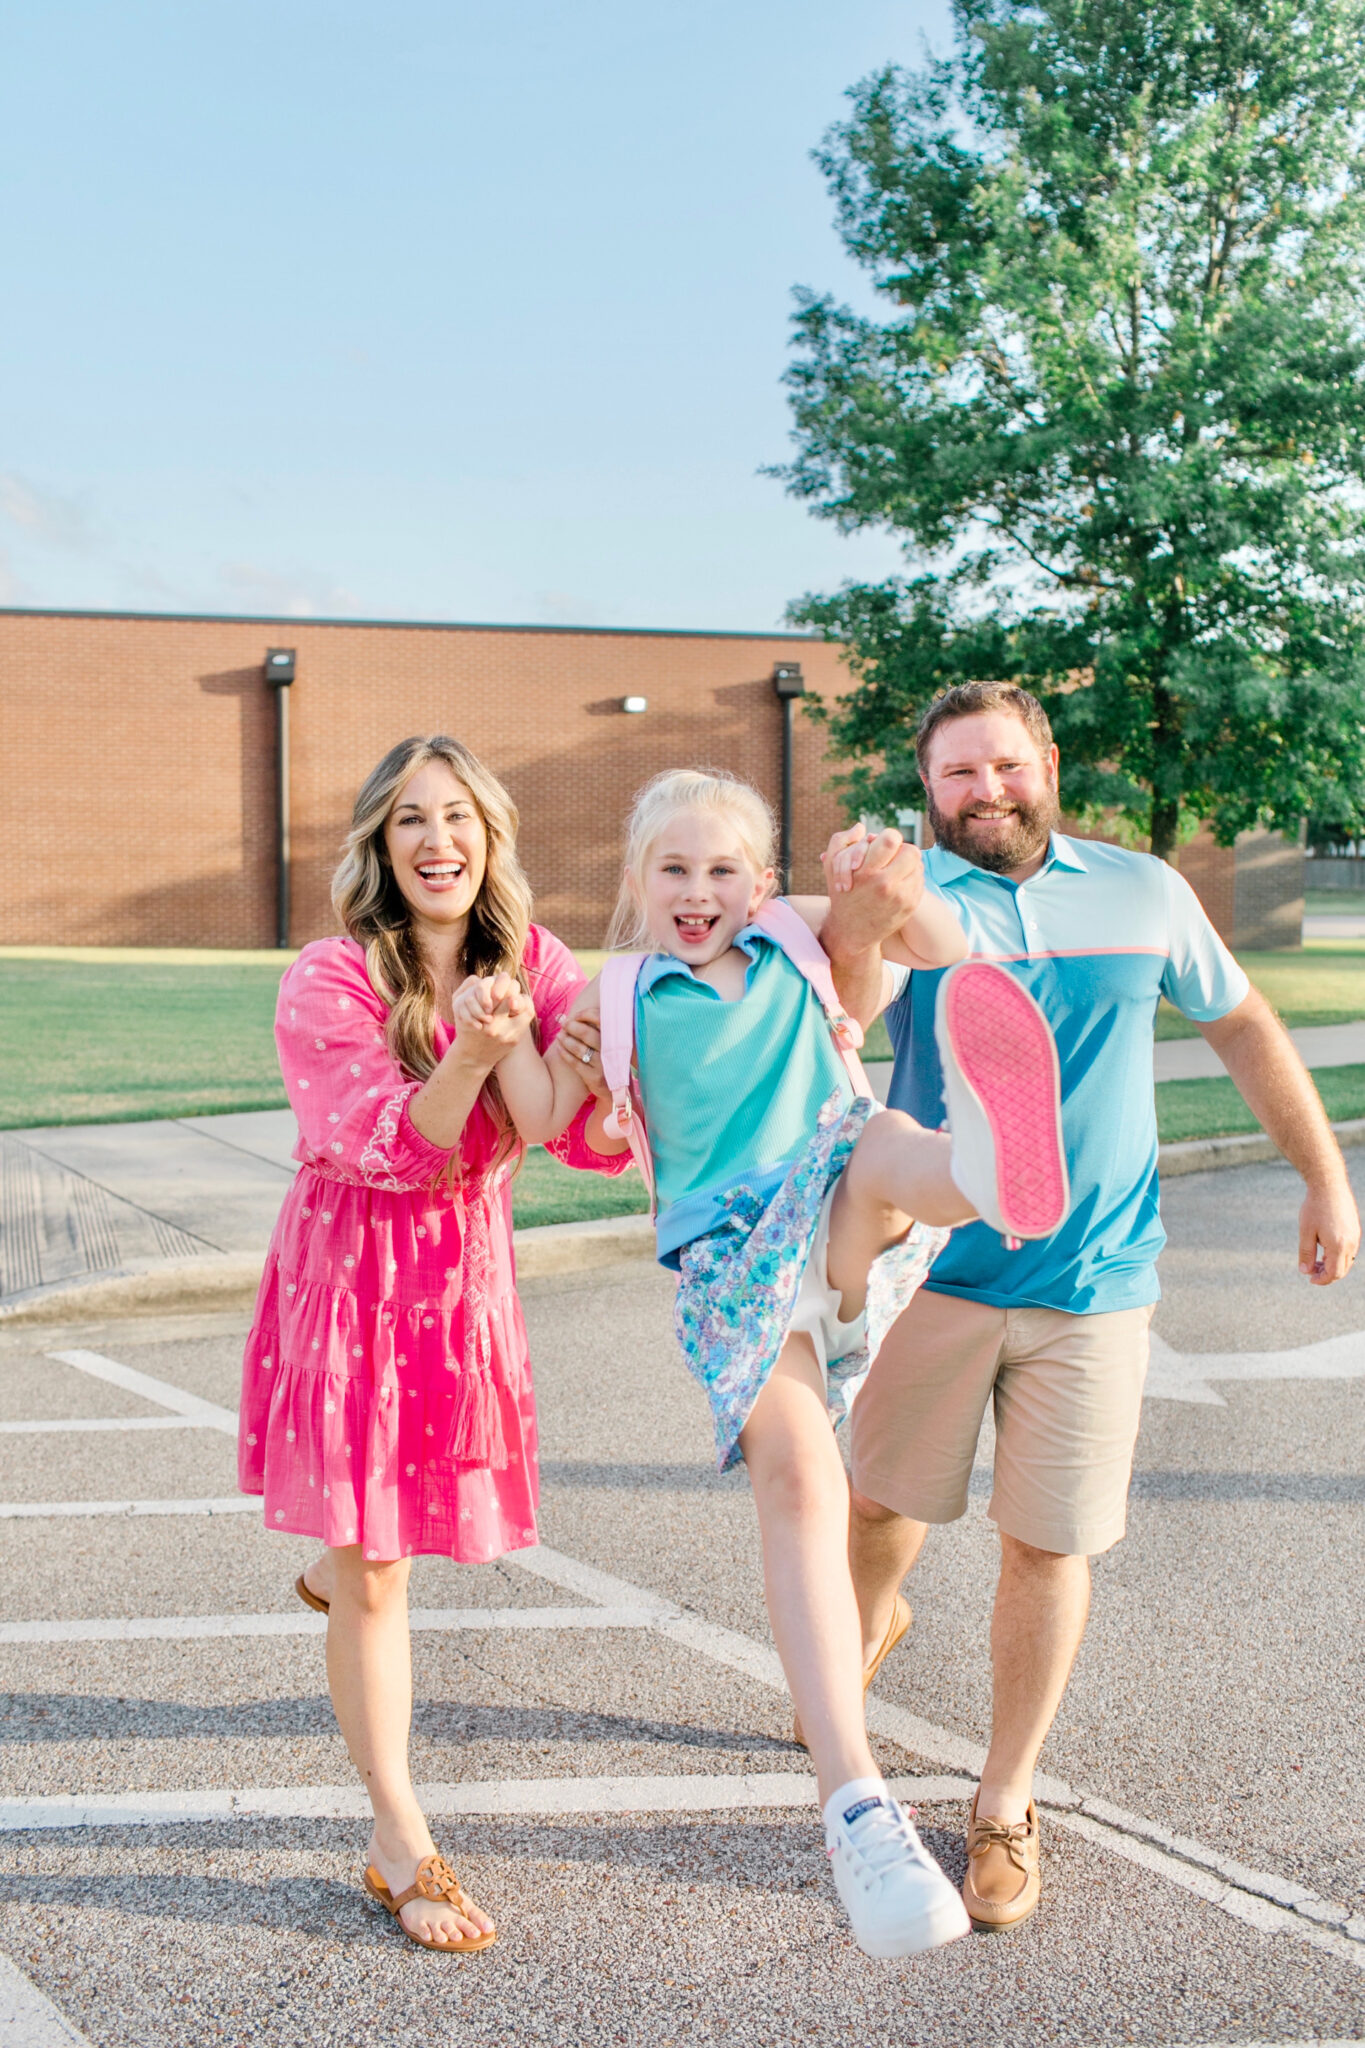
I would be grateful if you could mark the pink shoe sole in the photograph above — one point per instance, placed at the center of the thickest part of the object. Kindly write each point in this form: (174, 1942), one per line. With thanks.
(1007, 1057)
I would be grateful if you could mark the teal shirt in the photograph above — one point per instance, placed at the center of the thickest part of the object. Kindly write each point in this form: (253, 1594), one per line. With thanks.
(732, 1091)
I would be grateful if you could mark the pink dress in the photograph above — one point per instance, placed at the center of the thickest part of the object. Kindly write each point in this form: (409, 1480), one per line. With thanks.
(386, 1387)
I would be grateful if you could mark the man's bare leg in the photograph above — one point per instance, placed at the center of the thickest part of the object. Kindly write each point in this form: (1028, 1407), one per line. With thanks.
(1041, 1605)
(882, 1547)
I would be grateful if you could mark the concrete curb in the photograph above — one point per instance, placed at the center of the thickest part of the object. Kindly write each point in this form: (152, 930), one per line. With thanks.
(228, 1280)
(1206, 1155)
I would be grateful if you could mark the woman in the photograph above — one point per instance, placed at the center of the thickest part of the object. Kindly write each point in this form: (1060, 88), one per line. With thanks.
(386, 1394)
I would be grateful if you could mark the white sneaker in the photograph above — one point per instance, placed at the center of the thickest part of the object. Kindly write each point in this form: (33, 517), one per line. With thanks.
(895, 1895)
(1001, 1082)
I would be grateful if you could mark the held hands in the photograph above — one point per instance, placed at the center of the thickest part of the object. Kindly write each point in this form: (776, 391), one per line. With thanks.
(492, 1014)
(874, 885)
(579, 1046)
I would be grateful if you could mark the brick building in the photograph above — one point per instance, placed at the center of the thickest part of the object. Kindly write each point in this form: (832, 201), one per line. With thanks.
(138, 799)
(139, 784)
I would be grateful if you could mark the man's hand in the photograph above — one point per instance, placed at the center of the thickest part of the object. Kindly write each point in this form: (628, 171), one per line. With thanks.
(1272, 1080)
(874, 886)
(1329, 1233)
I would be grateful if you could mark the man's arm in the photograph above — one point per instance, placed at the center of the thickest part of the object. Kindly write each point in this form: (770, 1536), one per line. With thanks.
(1275, 1085)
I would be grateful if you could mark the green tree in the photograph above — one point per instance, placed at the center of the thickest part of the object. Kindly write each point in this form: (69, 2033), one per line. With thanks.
(1118, 413)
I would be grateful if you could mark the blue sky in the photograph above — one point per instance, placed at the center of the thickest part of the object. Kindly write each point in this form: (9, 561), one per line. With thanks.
(419, 310)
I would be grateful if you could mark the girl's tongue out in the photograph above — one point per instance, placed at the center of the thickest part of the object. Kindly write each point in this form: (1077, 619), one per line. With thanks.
(693, 930)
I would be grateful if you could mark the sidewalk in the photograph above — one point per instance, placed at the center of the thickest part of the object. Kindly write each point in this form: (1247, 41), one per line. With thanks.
(190, 1203)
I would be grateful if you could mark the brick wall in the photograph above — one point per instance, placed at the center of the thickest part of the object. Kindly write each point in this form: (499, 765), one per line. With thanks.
(137, 800)
(1268, 892)
(1253, 891)
(1211, 871)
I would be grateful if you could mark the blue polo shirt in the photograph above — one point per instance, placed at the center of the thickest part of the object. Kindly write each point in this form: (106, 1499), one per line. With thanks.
(1097, 937)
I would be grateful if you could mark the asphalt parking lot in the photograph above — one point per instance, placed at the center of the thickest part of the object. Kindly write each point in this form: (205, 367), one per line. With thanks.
(604, 1738)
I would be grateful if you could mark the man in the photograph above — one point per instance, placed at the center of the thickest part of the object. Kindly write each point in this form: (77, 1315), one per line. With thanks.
(1055, 1332)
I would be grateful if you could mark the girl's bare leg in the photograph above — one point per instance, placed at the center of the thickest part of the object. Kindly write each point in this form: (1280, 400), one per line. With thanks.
(801, 1494)
(369, 1671)
(898, 1173)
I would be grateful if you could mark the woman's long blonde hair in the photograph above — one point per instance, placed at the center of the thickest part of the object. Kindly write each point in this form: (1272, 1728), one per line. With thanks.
(663, 796)
(375, 912)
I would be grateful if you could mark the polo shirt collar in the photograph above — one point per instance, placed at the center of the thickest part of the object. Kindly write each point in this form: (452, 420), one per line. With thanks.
(659, 965)
(951, 867)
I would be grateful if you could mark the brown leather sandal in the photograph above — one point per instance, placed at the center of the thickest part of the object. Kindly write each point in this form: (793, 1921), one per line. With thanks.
(310, 1598)
(435, 1880)
(901, 1618)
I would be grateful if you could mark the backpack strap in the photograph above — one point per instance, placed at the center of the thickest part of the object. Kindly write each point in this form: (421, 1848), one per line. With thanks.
(616, 992)
(788, 929)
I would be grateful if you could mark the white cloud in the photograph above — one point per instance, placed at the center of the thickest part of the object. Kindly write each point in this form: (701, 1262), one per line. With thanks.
(47, 516)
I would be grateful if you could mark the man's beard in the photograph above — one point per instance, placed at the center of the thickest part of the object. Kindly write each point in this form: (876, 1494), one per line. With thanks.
(1020, 841)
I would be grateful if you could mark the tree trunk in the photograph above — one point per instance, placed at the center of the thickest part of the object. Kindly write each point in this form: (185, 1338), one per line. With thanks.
(1165, 826)
(1165, 763)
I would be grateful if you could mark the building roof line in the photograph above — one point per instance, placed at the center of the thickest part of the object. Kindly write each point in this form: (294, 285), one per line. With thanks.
(293, 623)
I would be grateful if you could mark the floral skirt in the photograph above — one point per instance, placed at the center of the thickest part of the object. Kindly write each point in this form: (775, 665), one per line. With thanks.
(738, 1284)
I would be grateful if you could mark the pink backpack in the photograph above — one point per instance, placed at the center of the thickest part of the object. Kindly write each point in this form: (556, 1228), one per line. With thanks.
(789, 930)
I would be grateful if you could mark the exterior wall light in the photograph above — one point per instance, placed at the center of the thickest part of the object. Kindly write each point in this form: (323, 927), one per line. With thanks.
(635, 703)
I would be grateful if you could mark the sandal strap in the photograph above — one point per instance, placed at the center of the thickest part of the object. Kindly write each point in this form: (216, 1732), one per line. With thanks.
(435, 1880)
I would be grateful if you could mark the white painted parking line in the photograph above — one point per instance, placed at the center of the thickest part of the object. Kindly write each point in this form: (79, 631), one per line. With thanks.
(27, 2019)
(1176, 1376)
(83, 1423)
(1251, 1908)
(174, 1628)
(1233, 1887)
(161, 1391)
(35, 1510)
(1260, 1899)
(677, 1793)
(571, 1575)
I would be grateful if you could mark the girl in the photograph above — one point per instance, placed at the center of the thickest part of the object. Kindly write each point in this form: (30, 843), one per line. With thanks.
(386, 1393)
(778, 1191)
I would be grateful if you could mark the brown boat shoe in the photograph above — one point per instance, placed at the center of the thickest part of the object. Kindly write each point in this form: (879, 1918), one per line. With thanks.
(1003, 1878)
(901, 1618)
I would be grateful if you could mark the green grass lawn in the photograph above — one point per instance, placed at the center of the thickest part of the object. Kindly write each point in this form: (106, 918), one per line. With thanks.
(95, 1038)
(1322, 984)
(1333, 902)
(546, 1192)
(1214, 1109)
(101, 1041)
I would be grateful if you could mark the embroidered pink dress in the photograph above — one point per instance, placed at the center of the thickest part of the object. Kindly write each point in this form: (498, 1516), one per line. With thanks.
(386, 1387)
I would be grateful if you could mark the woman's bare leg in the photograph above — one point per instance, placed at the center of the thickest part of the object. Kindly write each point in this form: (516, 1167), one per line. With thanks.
(801, 1494)
(369, 1671)
(320, 1574)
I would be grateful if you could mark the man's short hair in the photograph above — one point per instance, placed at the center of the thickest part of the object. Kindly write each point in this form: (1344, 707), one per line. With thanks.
(964, 700)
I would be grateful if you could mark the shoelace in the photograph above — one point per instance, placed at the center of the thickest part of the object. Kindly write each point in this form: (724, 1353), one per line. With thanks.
(998, 1834)
(884, 1838)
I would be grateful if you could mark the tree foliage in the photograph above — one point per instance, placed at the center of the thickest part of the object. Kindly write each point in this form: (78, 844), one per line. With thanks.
(1118, 411)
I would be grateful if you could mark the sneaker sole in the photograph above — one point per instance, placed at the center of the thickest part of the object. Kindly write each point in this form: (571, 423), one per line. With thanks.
(1006, 1056)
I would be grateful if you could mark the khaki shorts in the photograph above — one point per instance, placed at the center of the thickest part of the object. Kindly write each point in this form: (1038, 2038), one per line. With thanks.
(1068, 1400)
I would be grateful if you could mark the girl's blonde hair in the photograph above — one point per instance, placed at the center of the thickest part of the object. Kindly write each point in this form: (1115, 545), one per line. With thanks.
(685, 789)
(375, 912)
